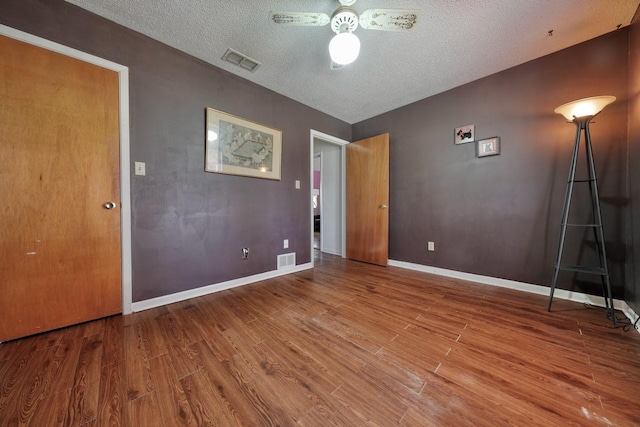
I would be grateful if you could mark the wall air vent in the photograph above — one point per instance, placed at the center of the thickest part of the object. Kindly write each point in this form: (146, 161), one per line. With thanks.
(286, 260)
(241, 60)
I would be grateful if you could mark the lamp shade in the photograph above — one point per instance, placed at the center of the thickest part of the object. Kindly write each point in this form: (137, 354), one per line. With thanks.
(344, 48)
(584, 107)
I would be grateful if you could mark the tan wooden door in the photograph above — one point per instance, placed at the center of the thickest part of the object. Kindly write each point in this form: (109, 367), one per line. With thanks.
(368, 200)
(60, 256)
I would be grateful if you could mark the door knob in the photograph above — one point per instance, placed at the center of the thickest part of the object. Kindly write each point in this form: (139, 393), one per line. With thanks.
(383, 206)
(110, 205)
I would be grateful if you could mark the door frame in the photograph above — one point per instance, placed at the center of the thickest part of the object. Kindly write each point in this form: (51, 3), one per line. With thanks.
(314, 134)
(125, 173)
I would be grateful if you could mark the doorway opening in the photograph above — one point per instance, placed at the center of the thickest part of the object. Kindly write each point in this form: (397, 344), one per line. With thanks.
(315, 195)
(327, 194)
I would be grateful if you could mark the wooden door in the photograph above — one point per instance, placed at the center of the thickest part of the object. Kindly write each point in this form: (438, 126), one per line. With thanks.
(59, 164)
(368, 200)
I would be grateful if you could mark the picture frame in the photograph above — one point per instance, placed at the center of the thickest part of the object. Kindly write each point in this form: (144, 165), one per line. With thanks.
(488, 147)
(464, 134)
(237, 146)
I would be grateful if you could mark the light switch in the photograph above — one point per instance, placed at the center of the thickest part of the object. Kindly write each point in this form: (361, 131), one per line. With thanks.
(297, 184)
(140, 168)
(286, 243)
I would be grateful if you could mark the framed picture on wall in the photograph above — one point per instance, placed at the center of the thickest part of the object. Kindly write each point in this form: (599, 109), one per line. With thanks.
(236, 146)
(489, 147)
(464, 134)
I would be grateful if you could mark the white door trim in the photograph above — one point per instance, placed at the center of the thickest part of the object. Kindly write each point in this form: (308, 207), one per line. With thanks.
(342, 143)
(125, 179)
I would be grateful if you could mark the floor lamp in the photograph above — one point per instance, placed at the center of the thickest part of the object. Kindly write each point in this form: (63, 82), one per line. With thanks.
(581, 112)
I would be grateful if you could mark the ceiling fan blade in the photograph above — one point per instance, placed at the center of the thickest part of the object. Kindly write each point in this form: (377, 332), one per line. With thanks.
(388, 19)
(304, 19)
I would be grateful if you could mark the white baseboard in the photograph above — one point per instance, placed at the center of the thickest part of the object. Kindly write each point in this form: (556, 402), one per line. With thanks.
(519, 286)
(631, 315)
(217, 287)
(487, 280)
(331, 251)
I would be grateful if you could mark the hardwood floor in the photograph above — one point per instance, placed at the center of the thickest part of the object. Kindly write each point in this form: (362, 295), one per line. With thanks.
(345, 344)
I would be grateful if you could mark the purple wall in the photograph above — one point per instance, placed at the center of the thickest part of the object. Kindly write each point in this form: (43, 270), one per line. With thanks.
(316, 179)
(316, 186)
(499, 216)
(188, 225)
(632, 291)
(495, 216)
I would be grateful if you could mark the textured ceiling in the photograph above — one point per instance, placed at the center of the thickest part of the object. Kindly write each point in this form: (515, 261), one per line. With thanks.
(454, 42)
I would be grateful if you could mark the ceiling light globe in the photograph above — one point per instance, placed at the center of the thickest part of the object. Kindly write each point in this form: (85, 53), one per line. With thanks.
(344, 48)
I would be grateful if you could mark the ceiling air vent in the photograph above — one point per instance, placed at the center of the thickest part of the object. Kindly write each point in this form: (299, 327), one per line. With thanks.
(241, 60)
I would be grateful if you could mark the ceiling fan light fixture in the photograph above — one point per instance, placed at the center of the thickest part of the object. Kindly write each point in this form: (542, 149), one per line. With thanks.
(344, 48)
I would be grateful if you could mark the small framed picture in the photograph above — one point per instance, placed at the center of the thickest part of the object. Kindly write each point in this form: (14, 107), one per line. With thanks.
(489, 147)
(464, 134)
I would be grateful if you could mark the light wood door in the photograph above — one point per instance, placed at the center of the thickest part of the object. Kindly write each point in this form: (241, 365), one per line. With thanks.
(368, 200)
(59, 164)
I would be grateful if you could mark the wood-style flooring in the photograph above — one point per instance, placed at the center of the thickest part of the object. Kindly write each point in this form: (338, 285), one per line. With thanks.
(344, 344)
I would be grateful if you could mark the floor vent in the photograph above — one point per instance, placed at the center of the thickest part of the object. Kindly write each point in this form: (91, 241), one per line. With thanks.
(286, 260)
(241, 60)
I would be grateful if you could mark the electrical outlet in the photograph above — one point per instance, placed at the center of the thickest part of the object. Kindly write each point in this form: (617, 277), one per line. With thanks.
(286, 243)
(140, 168)
(431, 246)
(245, 253)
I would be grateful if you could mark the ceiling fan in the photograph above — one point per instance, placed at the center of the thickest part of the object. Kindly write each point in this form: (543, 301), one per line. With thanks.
(345, 46)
